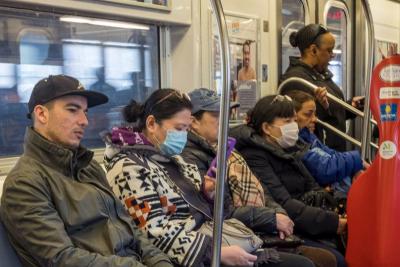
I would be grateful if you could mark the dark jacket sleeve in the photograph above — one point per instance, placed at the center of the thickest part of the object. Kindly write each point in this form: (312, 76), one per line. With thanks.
(310, 220)
(259, 219)
(328, 166)
(271, 203)
(38, 228)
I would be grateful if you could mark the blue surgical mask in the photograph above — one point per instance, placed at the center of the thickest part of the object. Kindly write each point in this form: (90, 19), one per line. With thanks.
(174, 143)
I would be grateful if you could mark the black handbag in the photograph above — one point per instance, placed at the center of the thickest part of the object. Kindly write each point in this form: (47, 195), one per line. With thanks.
(274, 241)
(320, 199)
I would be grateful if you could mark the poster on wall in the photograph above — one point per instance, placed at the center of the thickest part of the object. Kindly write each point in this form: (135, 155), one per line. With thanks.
(246, 96)
(243, 35)
(384, 49)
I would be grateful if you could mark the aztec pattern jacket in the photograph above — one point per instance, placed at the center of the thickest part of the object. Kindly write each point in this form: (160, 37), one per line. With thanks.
(138, 178)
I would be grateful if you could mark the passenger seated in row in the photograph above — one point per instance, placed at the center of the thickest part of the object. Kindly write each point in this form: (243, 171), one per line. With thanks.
(328, 166)
(56, 204)
(162, 192)
(270, 146)
(243, 190)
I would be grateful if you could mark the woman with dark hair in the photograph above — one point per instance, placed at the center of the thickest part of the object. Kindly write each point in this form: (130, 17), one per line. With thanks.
(328, 166)
(316, 45)
(270, 146)
(163, 193)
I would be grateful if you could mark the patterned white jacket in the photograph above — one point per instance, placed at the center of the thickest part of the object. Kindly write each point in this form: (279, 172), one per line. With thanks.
(155, 202)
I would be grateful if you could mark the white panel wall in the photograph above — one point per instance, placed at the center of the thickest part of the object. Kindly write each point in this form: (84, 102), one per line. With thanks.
(386, 16)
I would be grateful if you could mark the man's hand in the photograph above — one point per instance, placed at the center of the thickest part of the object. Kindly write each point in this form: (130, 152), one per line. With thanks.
(321, 94)
(284, 225)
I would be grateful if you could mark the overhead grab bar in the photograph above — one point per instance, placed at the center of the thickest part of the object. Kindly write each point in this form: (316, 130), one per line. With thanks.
(330, 96)
(368, 81)
(344, 135)
(222, 132)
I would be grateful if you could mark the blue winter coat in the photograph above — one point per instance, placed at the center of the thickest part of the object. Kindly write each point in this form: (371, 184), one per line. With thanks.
(327, 165)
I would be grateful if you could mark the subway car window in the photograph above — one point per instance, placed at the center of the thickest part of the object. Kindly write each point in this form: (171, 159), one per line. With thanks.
(293, 18)
(337, 24)
(119, 59)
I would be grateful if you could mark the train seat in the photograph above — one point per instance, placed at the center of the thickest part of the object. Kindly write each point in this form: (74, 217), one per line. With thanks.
(8, 257)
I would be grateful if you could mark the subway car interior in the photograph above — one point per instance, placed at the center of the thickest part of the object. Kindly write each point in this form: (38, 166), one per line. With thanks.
(241, 50)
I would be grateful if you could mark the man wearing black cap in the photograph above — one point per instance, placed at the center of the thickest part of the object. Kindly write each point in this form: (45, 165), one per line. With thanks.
(56, 204)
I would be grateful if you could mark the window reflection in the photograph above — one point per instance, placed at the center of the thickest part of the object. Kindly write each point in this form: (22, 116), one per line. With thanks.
(117, 59)
(293, 19)
(337, 24)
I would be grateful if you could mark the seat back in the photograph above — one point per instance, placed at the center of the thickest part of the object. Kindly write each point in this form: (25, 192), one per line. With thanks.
(8, 257)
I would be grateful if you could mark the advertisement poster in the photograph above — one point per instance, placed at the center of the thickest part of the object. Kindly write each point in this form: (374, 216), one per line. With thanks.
(243, 40)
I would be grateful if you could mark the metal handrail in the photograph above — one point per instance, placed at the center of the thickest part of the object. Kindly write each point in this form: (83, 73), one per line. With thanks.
(329, 95)
(222, 133)
(368, 78)
(344, 135)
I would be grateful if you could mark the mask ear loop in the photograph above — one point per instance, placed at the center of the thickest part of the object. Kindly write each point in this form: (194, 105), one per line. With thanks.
(274, 137)
(157, 142)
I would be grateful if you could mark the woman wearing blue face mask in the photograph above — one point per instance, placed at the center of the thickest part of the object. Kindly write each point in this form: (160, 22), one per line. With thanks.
(270, 146)
(161, 191)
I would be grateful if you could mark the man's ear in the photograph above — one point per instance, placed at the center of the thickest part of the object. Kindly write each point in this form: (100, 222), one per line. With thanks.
(194, 123)
(41, 114)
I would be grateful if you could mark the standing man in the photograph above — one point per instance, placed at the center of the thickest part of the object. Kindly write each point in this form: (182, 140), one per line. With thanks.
(56, 204)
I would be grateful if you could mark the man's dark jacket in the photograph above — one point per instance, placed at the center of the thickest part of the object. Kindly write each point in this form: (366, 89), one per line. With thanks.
(60, 211)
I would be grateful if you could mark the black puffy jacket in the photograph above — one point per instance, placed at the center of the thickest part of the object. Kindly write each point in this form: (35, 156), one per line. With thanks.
(283, 173)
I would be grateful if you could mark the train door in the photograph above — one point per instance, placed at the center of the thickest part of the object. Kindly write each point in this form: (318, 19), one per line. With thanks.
(295, 14)
(337, 17)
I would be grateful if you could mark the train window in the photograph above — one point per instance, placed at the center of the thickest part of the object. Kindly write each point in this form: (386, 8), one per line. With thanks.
(119, 59)
(293, 18)
(336, 22)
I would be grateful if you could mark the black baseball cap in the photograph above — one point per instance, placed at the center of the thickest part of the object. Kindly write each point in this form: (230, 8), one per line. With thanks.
(207, 100)
(56, 86)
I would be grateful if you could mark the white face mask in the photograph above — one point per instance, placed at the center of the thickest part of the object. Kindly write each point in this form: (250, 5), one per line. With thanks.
(290, 135)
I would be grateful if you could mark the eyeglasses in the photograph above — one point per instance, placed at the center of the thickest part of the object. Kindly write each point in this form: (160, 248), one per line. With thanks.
(280, 98)
(178, 94)
(173, 93)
